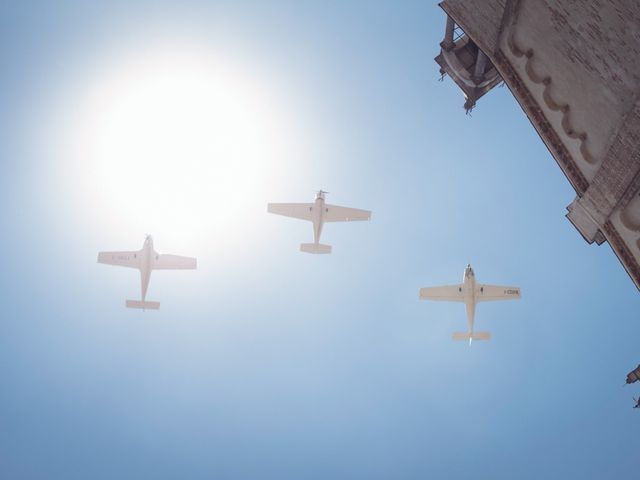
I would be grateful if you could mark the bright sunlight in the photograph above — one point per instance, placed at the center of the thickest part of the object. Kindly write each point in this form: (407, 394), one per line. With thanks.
(174, 142)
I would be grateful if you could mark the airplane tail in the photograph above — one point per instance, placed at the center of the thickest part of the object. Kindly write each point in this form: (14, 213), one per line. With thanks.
(315, 248)
(143, 305)
(472, 336)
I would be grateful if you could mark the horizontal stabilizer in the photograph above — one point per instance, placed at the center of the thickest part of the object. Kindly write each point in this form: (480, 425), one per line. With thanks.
(315, 248)
(474, 336)
(143, 305)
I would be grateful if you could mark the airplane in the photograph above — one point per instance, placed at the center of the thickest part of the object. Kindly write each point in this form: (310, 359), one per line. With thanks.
(637, 400)
(318, 213)
(470, 293)
(146, 260)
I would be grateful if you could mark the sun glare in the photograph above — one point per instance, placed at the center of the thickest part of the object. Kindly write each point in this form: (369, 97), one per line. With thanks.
(177, 142)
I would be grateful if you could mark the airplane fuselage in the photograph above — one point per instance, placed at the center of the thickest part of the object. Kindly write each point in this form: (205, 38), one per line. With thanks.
(469, 292)
(146, 265)
(317, 217)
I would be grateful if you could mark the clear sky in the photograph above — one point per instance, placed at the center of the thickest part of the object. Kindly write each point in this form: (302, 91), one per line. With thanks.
(182, 120)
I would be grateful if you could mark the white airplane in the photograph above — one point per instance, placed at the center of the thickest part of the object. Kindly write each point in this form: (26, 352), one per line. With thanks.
(318, 213)
(470, 293)
(145, 260)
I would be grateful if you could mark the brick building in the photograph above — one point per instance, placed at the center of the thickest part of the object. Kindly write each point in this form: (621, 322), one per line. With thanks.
(574, 68)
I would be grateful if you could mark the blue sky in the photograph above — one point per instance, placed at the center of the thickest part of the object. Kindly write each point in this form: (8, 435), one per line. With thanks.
(266, 362)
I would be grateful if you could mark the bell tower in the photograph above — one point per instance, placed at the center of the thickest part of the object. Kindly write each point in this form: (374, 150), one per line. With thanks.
(466, 64)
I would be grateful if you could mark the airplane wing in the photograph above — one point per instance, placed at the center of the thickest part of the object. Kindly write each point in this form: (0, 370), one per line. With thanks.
(121, 259)
(174, 262)
(446, 293)
(295, 210)
(334, 213)
(489, 293)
